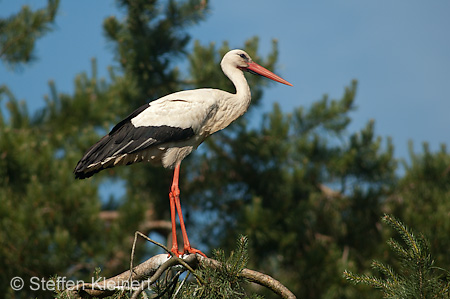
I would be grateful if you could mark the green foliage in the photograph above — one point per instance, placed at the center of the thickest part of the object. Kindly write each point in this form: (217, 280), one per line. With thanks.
(19, 32)
(49, 223)
(224, 282)
(40, 234)
(302, 188)
(423, 198)
(306, 190)
(147, 41)
(418, 277)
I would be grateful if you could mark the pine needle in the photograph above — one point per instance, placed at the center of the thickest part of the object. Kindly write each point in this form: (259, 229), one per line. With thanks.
(417, 277)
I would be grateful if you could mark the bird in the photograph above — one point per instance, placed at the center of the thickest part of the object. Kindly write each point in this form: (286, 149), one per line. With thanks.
(166, 130)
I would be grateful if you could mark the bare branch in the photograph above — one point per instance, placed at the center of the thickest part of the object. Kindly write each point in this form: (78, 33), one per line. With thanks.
(155, 267)
(255, 277)
(139, 278)
(107, 287)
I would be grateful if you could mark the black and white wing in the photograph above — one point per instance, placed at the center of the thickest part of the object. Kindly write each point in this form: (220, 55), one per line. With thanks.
(148, 132)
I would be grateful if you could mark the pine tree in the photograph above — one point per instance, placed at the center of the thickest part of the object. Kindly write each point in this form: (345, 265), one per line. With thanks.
(50, 223)
(418, 277)
(306, 193)
(59, 226)
(225, 281)
(19, 32)
(422, 198)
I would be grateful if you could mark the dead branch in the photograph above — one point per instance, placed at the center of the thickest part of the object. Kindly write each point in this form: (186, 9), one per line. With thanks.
(328, 192)
(154, 267)
(253, 276)
(147, 273)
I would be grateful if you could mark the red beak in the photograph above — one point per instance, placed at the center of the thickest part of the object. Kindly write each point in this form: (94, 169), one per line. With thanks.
(256, 68)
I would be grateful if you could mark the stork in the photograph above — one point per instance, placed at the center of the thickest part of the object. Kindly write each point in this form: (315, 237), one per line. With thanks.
(166, 130)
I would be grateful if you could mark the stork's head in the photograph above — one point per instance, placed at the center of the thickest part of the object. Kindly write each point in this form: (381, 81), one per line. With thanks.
(241, 60)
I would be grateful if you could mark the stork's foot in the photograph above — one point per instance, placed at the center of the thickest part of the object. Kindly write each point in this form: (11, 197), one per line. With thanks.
(187, 250)
(193, 251)
(176, 252)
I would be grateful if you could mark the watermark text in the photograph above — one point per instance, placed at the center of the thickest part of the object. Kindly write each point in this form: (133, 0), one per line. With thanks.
(62, 283)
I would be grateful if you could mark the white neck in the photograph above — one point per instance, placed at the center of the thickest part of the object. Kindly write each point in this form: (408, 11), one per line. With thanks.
(241, 100)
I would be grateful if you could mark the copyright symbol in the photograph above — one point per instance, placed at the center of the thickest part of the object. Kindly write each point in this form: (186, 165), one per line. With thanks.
(16, 283)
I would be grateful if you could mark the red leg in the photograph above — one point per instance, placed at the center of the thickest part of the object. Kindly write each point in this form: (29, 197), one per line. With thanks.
(174, 228)
(175, 193)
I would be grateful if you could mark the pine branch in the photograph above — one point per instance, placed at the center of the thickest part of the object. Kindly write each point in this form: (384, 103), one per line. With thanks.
(418, 277)
(409, 238)
(18, 33)
(386, 270)
(370, 280)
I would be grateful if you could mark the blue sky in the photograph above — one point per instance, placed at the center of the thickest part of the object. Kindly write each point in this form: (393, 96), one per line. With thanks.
(399, 51)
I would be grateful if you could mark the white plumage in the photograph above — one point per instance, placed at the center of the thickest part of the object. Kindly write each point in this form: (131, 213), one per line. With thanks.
(170, 128)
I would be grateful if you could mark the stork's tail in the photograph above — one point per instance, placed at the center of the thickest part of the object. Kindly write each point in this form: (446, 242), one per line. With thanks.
(107, 153)
(93, 160)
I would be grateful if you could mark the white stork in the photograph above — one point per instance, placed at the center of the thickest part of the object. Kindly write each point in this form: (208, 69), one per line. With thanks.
(170, 128)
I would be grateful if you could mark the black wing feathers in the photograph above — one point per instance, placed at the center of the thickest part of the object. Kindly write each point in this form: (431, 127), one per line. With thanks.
(128, 118)
(125, 138)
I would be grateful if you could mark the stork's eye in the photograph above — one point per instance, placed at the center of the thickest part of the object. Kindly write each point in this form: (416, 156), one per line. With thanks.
(243, 56)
